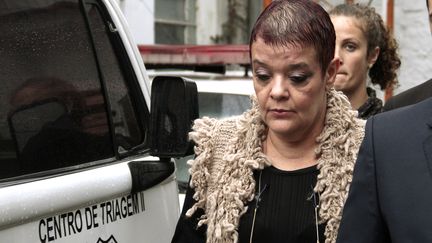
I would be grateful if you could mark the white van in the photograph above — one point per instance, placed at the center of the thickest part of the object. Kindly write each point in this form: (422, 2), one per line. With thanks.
(82, 159)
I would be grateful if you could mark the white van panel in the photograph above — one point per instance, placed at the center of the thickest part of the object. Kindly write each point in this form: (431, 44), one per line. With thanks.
(130, 222)
(92, 205)
(27, 201)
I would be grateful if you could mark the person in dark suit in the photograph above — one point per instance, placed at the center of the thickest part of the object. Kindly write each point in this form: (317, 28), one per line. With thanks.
(390, 196)
(417, 93)
(410, 96)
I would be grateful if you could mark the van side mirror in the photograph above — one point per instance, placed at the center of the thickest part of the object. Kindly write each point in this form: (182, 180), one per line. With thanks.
(174, 107)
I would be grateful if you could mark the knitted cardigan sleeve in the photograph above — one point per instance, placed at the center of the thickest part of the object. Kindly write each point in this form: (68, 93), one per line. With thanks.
(187, 229)
(202, 134)
(227, 152)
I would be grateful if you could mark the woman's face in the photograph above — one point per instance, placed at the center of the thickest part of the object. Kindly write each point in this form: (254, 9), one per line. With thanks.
(291, 89)
(351, 49)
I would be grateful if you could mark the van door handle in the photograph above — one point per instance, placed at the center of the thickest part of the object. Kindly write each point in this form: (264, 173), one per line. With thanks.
(146, 174)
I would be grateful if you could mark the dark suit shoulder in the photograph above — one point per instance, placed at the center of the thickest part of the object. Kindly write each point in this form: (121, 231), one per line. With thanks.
(399, 120)
(410, 96)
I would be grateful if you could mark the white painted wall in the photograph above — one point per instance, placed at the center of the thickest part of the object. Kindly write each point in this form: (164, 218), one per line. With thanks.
(140, 17)
(210, 16)
(415, 43)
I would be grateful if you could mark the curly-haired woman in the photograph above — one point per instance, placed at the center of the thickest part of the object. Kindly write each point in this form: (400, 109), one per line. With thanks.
(364, 47)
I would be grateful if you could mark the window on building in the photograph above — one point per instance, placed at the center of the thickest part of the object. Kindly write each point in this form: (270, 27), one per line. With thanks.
(175, 22)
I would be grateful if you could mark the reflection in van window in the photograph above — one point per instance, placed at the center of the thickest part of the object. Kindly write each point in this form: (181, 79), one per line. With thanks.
(56, 126)
(53, 112)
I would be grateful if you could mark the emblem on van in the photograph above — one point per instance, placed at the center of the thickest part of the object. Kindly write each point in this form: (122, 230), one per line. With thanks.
(111, 239)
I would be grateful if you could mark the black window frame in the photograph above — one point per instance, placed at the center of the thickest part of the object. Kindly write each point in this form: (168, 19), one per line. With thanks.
(132, 83)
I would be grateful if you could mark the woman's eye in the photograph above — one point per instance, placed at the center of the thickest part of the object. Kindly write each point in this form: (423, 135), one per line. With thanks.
(298, 79)
(262, 77)
(350, 47)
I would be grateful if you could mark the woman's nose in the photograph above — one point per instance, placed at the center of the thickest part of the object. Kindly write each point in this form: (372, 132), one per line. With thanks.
(338, 55)
(279, 89)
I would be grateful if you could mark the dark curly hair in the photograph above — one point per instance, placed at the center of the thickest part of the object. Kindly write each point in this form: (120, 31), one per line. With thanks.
(383, 72)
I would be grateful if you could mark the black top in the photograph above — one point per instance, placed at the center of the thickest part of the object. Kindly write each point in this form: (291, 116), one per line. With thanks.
(371, 107)
(285, 210)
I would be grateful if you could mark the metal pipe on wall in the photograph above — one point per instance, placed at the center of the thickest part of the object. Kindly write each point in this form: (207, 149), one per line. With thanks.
(389, 17)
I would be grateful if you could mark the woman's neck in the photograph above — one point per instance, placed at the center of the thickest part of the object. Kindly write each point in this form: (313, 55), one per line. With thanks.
(290, 156)
(357, 99)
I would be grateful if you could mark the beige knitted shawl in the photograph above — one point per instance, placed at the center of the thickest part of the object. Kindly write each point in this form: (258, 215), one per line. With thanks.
(227, 151)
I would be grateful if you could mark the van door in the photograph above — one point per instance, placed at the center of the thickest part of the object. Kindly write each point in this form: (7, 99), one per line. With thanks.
(74, 123)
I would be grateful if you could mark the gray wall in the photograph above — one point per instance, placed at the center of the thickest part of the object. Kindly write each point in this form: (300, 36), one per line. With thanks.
(415, 42)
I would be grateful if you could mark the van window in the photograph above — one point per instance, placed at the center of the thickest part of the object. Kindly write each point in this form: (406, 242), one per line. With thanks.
(127, 130)
(54, 111)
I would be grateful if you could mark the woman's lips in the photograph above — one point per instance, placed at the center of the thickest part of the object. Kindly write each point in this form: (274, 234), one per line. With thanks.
(280, 112)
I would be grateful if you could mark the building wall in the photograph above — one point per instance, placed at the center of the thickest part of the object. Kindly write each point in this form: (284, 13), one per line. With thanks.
(411, 30)
(210, 17)
(217, 22)
(415, 43)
